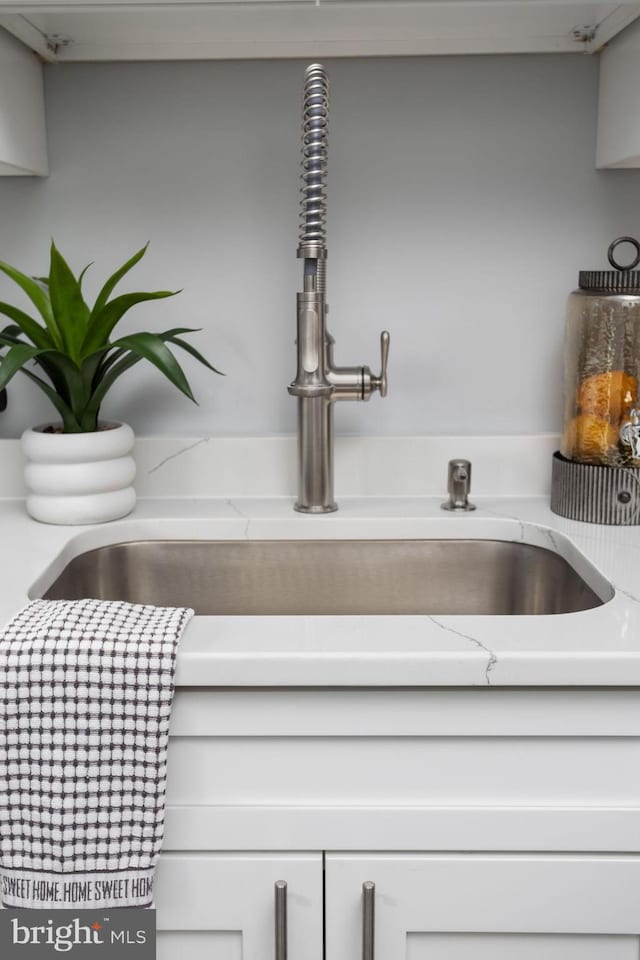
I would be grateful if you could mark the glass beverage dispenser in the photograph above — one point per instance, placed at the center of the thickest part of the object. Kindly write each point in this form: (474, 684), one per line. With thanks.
(596, 473)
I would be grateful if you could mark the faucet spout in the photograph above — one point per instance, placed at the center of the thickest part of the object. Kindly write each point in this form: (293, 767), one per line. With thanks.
(319, 383)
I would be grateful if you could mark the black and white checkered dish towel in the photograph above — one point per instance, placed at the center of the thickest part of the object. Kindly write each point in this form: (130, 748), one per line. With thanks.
(86, 688)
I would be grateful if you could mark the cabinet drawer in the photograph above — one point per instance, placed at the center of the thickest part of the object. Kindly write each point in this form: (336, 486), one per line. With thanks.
(404, 771)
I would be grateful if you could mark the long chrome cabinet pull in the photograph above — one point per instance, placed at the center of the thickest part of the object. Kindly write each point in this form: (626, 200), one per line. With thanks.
(368, 919)
(281, 920)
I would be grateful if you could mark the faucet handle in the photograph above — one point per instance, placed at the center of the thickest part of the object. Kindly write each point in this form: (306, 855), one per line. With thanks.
(380, 383)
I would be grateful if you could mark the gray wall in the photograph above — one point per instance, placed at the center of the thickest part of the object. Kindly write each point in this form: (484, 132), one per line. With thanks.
(463, 201)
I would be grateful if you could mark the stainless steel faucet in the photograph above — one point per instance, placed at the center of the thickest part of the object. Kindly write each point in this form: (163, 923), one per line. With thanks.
(318, 383)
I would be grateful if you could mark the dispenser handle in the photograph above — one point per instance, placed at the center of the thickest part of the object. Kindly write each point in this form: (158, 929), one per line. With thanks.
(381, 383)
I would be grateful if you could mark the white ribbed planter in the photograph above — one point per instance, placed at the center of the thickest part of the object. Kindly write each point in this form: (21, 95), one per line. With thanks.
(79, 477)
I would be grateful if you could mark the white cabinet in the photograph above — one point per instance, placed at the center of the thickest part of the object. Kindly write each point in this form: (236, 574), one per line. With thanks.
(485, 907)
(222, 906)
(429, 779)
(426, 906)
(85, 31)
(618, 142)
(23, 138)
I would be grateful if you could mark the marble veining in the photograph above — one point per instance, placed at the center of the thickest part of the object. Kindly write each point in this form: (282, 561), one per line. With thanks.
(626, 593)
(508, 516)
(178, 453)
(492, 659)
(236, 509)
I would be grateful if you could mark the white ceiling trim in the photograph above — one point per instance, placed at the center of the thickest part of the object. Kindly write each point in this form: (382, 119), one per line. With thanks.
(99, 30)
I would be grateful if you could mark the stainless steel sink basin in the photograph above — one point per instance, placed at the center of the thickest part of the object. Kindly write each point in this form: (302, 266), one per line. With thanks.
(316, 577)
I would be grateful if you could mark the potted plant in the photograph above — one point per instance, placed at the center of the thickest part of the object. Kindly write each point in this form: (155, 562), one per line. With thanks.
(80, 470)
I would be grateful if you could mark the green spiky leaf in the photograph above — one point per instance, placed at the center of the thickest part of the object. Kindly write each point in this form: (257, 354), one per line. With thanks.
(115, 278)
(179, 342)
(38, 296)
(69, 421)
(12, 332)
(82, 273)
(38, 334)
(151, 347)
(14, 359)
(101, 324)
(69, 309)
(106, 381)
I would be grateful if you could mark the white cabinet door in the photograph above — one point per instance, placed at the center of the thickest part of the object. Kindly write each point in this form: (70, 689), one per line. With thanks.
(618, 142)
(481, 907)
(23, 132)
(222, 906)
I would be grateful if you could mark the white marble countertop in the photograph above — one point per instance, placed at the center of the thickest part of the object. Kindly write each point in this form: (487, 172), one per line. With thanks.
(599, 647)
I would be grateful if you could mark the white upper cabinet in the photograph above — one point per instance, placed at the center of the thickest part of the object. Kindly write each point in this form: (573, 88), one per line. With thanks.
(23, 139)
(619, 106)
(93, 30)
(68, 31)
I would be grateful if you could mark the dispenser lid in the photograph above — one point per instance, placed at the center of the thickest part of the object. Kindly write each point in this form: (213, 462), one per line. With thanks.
(622, 279)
